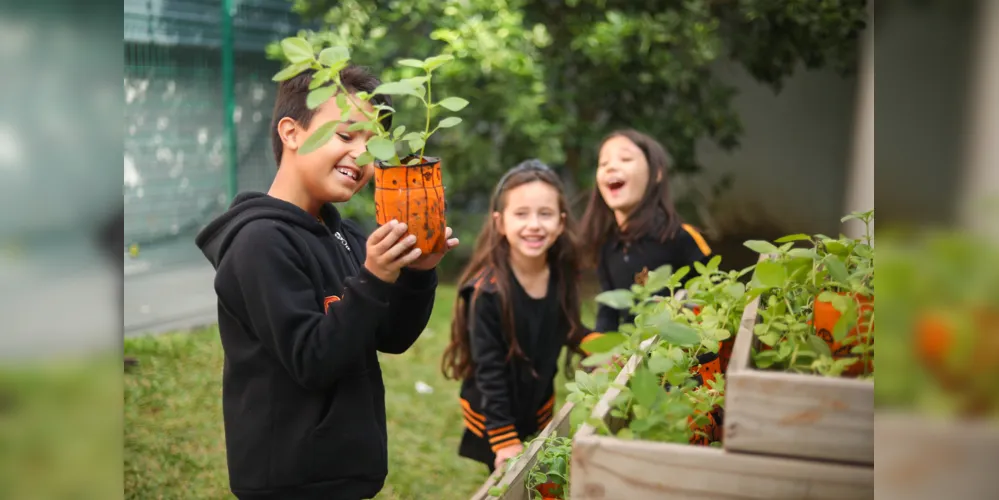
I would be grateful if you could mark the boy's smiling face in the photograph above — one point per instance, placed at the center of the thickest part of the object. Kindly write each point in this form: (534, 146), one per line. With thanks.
(330, 173)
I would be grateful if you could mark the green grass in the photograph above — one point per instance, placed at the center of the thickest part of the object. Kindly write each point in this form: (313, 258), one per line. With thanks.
(174, 446)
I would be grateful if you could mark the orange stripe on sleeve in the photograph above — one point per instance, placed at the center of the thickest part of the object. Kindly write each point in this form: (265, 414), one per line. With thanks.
(469, 426)
(504, 437)
(478, 425)
(703, 245)
(506, 444)
(468, 408)
(501, 430)
(547, 406)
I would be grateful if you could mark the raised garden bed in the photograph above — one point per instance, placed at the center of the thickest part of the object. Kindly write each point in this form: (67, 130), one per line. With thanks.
(512, 481)
(792, 414)
(612, 468)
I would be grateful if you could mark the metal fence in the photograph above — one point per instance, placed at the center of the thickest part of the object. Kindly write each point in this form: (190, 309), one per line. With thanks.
(198, 99)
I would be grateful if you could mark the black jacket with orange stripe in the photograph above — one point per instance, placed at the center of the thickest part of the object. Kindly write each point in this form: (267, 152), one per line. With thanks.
(509, 398)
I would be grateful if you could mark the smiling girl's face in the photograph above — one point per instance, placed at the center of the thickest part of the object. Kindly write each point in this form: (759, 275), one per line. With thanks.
(622, 175)
(531, 219)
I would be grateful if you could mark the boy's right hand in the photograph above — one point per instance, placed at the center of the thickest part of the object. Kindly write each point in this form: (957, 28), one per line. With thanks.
(389, 251)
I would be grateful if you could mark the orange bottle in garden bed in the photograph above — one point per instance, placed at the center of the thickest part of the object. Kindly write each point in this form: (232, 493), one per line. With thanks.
(825, 318)
(413, 194)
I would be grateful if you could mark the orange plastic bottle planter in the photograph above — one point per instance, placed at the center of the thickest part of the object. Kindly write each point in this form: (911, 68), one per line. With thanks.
(413, 194)
(826, 317)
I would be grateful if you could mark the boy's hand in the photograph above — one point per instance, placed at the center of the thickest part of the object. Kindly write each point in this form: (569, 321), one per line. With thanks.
(389, 251)
(507, 453)
(430, 261)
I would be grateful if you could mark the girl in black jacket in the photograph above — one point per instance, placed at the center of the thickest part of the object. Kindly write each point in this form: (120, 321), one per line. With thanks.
(517, 307)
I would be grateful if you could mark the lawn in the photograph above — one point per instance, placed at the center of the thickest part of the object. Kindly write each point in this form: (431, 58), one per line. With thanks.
(174, 446)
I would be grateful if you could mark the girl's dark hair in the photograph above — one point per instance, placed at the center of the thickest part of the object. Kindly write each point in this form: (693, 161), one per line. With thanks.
(491, 260)
(292, 93)
(655, 214)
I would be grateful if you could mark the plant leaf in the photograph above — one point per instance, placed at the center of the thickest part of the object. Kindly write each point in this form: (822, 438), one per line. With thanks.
(331, 56)
(317, 97)
(399, 132)
(291, 71)
(836, 269)
(760, 246)
(770, 274)
(435, 62)
(453, 103)
(397, 88)
(319, 138)
(679, 334)
(364, 158)
(616, 299)
(412, 63)
(660, 364)
(644, 387)
(415, 145)
(793, 237)
(819, 346)
(381, 148)
(297, 50)
(603, 343)
(320, 78)
(449, 122)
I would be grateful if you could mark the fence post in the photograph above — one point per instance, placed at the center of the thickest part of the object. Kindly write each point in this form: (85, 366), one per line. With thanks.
(229, 95)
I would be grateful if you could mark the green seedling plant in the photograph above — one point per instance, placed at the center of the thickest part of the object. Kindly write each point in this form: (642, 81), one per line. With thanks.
(384, 145)
(833, 270)
(663, 398)
(551, 465)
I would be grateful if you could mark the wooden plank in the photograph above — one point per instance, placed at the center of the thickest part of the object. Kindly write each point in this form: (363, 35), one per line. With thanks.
(605, 468)
(919, 458)
(795, 415)
(514, 478)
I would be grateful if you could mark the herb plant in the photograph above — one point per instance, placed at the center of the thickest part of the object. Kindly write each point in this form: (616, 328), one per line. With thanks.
(384, 145)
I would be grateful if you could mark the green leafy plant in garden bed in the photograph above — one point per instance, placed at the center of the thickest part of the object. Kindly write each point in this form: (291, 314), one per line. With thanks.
(670, 396)
(816, 310)
(384, 145)
(548, 477)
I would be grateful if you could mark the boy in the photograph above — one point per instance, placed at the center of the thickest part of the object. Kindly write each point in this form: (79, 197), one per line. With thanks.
(301, 317)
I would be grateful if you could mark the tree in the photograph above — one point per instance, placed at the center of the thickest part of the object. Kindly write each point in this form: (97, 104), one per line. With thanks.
(549, 78)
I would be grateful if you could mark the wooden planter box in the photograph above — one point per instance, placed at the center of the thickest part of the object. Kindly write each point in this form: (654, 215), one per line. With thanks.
(795, 415)
(921, 458)
(608, 468)
(518, 473)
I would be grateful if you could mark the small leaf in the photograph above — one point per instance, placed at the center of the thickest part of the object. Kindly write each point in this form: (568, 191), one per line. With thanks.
(836, 269)
(397, 88)
(415, 145)
(320, 78)
(803, 253)
(660, 364)
(449, 122)
(700, 268)
(411, 136)
(770, 274)
(435, 62)
(381, 148)
(365, 158)
(760, 246)
(365, 125)
(317, 97)
(319, 138)
(603, 343)
(291, 71)
(332, 56)
(736, 290)
(343, 103)
(793, 237)
(616, 299)
(412, 63)
(453, 103)
(297, 50)
(644, 387)
(679, 334)
(399, 131)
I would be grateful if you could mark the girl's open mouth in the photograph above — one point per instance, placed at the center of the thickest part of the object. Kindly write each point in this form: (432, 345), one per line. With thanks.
(615, 185)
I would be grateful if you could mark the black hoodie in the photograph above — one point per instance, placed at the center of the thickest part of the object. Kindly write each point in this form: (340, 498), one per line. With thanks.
(301, 320)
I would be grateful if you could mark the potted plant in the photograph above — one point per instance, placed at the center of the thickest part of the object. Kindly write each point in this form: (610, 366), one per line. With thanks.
(408, 184)
(818, 314)
(548, 475)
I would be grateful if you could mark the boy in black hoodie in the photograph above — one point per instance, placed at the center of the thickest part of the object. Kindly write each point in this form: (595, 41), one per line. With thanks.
(305, 301)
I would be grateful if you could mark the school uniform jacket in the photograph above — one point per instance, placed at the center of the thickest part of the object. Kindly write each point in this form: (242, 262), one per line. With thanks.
(301, 322)
(507, 400)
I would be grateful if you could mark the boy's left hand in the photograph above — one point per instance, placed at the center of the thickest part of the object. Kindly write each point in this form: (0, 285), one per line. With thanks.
(430, 260)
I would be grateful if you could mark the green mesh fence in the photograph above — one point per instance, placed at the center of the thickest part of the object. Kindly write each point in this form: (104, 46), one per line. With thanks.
(184, 67)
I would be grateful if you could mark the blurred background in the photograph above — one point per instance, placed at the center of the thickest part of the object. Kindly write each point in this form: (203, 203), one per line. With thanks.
(768, 108)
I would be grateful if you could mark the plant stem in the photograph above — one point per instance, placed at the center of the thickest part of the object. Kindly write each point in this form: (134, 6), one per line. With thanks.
(429, 106)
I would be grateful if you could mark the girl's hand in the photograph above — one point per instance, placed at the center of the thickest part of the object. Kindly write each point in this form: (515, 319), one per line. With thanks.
(387, 253)
(507, 453)
(430, 261)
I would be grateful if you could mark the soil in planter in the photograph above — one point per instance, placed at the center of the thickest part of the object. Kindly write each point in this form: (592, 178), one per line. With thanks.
(413, 194)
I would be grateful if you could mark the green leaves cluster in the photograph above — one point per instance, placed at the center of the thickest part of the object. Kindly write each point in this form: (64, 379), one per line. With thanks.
(800, 270)
(551, 465)
(327, 62)
(663, 399)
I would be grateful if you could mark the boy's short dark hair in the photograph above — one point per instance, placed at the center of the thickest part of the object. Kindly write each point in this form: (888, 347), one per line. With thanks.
(291, 95)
